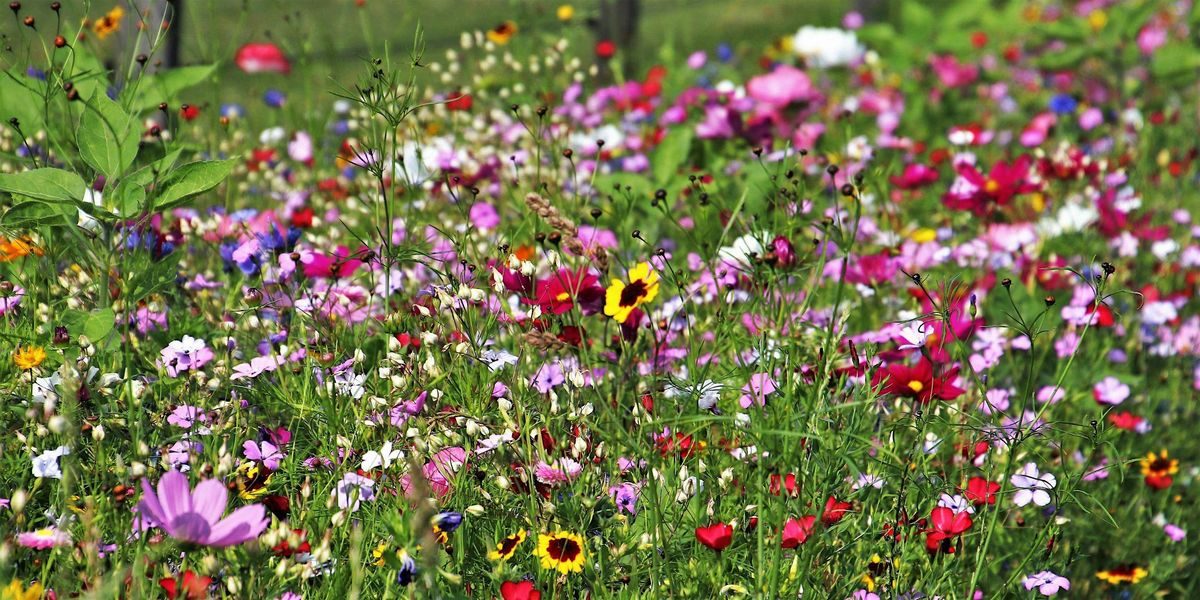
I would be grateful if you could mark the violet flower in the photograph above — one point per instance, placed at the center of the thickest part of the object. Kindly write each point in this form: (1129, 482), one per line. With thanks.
(194, 516)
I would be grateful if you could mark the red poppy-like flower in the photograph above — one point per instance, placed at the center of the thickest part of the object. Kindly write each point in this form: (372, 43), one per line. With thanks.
(1125, 420)
(519, 590)
(918, 382)
(981, 491)
(835, 510)
(787, 482)
(459, 102)
(946, 525)
(194, 587)
(189, 112)
(1002, 183)
(605, 49)
(262, 58)
(717, 536)
(302, 218)
(796, 531)
(558, 293)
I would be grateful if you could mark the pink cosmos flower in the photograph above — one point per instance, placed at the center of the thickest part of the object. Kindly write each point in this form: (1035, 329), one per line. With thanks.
(761, 385)
(262, 58)
(781, 87)
(563, 470)
(44, 538)
(1110, 391)
(440, 469)
(265, 452)
(194, 516)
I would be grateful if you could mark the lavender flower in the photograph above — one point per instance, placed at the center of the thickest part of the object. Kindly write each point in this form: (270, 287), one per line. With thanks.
(194, 516)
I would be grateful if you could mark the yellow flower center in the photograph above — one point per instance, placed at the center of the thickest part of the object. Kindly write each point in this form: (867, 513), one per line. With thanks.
(916, 386)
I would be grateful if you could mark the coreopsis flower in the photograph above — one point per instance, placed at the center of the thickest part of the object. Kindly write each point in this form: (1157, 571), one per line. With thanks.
(27, 358)
(502, 33)
(717, 536)
(1123, 574)
(110, 23)
(1047, 583)
(507, 547)
(621, 298)
(561, 551)
(1158, 470)
(1032, 486)
(15, 591)
(194, 516)
(250, 480)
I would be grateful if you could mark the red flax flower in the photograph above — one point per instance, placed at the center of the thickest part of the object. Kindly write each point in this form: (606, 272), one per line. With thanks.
(717, 536)
(519, 590)
(835, 510)
(918, 382)
(796, 531)
(982, 192)
(980, 491)
(946, 527)
(194, 587)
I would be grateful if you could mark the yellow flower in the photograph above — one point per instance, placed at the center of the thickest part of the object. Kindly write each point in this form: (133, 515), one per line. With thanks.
(1159, 466)
(622, 298)
(923, 235)
(109, 23)
(14, 591)
(506, 547)
(28, 357)
(1124, 574)
(251, 480)
(503, 32)
(1097, 19)
(562, 551)
(565, 12)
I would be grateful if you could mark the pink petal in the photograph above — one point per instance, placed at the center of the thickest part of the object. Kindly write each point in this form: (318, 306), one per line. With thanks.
(174, 495)
(243, 524)
(209, 499)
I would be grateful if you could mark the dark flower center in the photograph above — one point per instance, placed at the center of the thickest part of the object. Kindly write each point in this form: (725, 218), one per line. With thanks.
(563, 549)
(508, 545)
(633, 292)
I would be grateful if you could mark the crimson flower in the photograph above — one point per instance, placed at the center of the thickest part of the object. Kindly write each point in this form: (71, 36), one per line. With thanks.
(558, 293)
(194, 587)
(784, 483)
(946, 526)
(519, 590)
(262, 58)
(978, 193)
(915, 176)
(918, 382)
(981, 491)
(717, 536)
(796, 531)
(835, 510)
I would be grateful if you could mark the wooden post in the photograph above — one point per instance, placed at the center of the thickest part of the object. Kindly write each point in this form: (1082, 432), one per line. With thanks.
(618, 23)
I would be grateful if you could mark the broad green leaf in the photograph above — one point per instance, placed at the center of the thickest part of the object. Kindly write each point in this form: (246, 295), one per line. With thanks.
(1174, 60)
(99, 323)
(108, 137)
(52, 185)
(32, 213)
(19, 99)
(165, 86)
(129, 197)
(671, 154)
(191, 179)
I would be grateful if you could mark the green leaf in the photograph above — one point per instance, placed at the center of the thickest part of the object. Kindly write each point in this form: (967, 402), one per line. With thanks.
(108, 137)
(52, 185)
(19, 101)
(191, 179)
(165, 86)
(1174, 60)
(33, 213)
(1061, 61)
(671, 154)
(129, 197)
(917, 21)
(99, 323)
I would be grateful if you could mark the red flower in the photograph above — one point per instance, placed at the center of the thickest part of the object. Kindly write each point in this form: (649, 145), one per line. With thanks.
(982, 491)
(605, 49)
(796, 531)
(460, 102)
(558, 293)
(787, 482)
(262, 58)
(189, 112)
(997, 188)
(947, 525)
(717, 536)
(835, 510)
(302, 218)
(194, 587)
(1125, 420)
(519, 590)
(915, 176)
(918, 382)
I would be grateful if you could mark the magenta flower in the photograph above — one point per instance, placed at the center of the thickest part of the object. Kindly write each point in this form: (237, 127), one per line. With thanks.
(194, 516)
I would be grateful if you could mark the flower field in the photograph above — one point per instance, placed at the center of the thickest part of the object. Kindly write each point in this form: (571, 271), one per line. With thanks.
(903, 306)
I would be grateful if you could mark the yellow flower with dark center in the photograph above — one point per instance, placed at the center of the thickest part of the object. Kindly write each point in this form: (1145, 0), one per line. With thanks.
(502, 33)
(506, 547)
(109, 23)
(28, 357)
(1123, 574)
(250, 480)
(621, 298)
(1155, 465)
(562, 551)
(15, 591)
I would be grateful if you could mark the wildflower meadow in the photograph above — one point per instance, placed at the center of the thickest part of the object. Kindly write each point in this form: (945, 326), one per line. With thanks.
(611, 299)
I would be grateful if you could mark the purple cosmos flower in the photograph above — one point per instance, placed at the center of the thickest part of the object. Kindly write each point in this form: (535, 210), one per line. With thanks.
(265, 452)
(761, 385)
(187, 354)
(1046, 582)
(194, 516)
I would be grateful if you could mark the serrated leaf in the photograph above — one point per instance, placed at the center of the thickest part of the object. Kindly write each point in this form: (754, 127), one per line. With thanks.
(52, 185)
(108, 137)
(192, 179)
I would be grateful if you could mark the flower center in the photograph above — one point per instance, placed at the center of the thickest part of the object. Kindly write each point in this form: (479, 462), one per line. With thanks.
(633, 292)
(563, 549)
(992, 186)
(916, 386)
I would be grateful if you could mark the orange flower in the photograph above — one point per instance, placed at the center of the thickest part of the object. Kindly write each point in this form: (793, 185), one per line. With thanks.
(503, 32)
(17, 248)
(28, 357)
(109, 23)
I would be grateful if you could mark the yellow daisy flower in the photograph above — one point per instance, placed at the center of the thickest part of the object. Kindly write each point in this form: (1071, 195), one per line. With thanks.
(561, 551)
(506, 547)
(621, 298)
(28, 357)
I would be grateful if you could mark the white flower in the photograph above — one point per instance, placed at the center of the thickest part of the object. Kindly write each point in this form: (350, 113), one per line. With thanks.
(385, 457)
(956, 503)
(867, 480)
(738, 253)
(824, 47)
(1032, 486)
(915, 335)
(46, 463)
